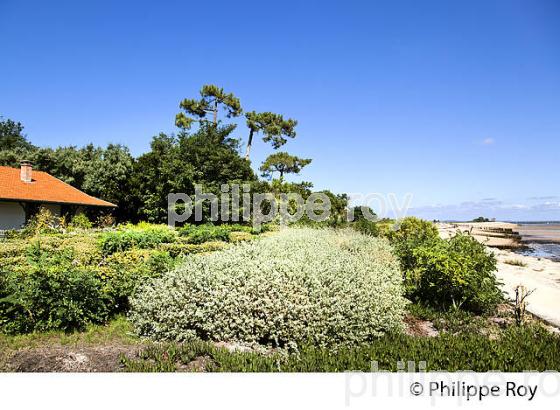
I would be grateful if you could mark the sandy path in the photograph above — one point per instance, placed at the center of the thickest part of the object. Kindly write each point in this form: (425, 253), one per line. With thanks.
(539, 274)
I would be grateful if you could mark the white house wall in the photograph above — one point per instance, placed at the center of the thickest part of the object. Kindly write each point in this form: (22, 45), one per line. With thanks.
(12, 215)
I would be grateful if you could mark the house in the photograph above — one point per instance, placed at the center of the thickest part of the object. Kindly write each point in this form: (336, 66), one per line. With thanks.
(23, 191)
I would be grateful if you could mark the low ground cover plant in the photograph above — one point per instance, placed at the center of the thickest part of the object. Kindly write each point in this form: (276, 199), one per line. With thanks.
(323, 287)
(529, 348)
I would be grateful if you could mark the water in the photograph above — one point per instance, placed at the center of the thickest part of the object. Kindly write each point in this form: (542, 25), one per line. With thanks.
(542, 250)
(542, 239)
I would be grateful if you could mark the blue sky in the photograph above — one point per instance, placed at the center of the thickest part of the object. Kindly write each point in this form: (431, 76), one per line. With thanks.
(456, 102)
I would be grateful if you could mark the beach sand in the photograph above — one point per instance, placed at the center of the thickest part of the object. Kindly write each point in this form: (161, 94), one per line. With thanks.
(540, 275)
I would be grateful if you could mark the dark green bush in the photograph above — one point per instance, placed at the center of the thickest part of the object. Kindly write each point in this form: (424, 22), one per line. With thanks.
(458, 271)
(53, 294)
(366, 227)
(443, 273)
(363, 212)
(518, 349)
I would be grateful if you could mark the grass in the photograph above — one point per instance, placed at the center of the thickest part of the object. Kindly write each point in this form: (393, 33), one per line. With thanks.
(515, 262)
(117, 332)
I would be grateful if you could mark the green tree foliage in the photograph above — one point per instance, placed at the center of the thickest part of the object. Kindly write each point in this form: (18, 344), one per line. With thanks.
(208, 157)
(160, 172)
(109, 177)
(101, 172)
(273, 126)
(213, 99)
(214, 154)
(363, 212)
(14, 146)
(283, 163)
(481, 219)
(11, 136)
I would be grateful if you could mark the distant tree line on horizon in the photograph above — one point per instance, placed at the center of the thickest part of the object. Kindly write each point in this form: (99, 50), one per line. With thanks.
(203, 152)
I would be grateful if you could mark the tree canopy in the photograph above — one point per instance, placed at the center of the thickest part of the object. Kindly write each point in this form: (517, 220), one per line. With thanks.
(208, 155)
(11, 136)
(274, 127)
(283, 163)
(213, 99)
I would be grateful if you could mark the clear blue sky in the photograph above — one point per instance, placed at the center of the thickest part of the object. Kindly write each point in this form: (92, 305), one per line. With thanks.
(455, 102)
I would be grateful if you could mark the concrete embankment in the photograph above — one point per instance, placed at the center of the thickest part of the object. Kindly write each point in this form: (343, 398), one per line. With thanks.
(500, 235)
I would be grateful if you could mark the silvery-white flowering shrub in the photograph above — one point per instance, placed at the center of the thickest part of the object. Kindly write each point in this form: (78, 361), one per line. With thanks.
(322, 287)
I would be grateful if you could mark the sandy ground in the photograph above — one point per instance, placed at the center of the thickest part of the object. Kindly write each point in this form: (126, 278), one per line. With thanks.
(538, 274)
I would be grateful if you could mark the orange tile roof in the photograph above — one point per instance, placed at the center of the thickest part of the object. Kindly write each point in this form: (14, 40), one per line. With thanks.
(42, 188)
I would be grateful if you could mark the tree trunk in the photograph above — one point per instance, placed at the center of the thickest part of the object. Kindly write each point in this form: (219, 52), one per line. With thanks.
(215, 112)
(249, 143)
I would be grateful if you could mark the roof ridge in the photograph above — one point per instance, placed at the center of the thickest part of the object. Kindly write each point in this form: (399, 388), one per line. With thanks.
(45, 188)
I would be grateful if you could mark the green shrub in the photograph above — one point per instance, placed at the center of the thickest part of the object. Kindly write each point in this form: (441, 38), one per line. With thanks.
(142, 236)
(458, 271)
(238, 228)
(240, 236)
(80, 221)
(53, 294)
(122, 272)
(363, 212)
(43, 222)
(322, 287)
(180, 249)
(84, 247)
(366, 227)
(197, 234)
(413, 230)
(444, 273)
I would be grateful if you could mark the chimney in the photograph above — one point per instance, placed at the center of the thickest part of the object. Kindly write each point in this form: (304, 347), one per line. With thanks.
(25, 173)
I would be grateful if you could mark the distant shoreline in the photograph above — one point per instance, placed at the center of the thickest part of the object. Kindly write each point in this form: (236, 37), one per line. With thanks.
(536, 239)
